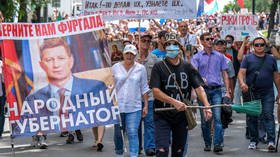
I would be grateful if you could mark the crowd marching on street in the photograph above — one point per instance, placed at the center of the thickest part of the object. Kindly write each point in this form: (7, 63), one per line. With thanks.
(163, 69)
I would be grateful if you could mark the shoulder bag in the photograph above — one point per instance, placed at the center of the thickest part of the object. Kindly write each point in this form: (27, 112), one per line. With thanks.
(191, 122)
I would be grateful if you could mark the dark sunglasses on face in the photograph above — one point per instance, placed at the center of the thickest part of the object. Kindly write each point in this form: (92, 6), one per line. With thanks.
(145, 41)
(209, 39)
(184, 26)
(229, 42)
(259, 44)
(220, 44)
(168, 44)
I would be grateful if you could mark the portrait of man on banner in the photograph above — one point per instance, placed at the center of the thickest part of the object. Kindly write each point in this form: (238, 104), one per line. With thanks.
(72, 88)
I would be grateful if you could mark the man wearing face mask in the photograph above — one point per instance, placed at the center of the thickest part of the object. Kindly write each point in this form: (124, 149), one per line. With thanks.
(166, 77)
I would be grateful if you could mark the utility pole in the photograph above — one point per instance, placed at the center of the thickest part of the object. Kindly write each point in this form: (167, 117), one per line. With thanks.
(253, 6)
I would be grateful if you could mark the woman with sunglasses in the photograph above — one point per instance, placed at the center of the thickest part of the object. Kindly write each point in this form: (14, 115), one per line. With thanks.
(255, 68)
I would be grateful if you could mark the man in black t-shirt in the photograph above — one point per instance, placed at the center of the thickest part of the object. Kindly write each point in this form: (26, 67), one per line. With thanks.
(167, 95)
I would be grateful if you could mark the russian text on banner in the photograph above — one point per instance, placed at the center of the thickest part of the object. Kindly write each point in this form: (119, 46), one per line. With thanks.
(239, 26)
(140, 9)
(37, 68)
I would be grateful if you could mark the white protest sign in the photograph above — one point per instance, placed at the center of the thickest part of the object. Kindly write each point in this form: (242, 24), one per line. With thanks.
(239, 26)
(140, 9)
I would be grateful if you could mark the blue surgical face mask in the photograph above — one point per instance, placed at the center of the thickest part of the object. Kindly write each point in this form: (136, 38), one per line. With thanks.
(229, 45)
(172, 51)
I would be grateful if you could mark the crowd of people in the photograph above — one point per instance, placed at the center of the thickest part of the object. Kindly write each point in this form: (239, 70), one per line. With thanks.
(174, 60)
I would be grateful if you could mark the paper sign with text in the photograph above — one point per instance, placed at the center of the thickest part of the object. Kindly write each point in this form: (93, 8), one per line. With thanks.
(239, 26)
(140, 9)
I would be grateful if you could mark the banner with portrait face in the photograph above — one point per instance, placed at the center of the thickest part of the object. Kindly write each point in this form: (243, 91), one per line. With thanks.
(60, 81)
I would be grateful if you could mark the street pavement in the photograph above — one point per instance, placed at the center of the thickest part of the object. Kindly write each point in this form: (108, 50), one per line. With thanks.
(235, 144)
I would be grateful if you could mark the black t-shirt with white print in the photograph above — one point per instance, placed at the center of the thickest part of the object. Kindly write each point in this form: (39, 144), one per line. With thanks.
(186, 75)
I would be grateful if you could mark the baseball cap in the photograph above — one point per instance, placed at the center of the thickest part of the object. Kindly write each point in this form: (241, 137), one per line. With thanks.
(126, 40)
(171, 37)
(218, 41)
(130, 48)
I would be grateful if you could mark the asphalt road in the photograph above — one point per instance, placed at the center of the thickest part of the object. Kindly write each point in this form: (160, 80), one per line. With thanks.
(235, 145)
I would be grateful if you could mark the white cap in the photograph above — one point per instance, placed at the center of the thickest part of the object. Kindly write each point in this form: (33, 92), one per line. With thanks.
(130, 48)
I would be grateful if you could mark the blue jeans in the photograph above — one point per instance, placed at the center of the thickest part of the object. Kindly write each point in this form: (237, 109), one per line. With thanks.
(214, 97)
(149, 128)
(185, 154)
(129, 121)
(266, 117)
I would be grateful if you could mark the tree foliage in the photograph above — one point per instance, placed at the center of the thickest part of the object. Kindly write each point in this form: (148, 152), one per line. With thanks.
(20, 8)
(260, 5)
(232, 6)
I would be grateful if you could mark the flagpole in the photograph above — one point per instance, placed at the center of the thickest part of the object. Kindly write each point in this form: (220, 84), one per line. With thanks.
(139, 38)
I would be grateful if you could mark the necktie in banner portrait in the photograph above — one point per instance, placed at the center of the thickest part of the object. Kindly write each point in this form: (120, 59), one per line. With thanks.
(61, 93)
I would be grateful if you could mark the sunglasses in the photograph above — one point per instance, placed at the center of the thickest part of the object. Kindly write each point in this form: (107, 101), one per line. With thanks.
(229, 41)
(209, 39)
(184, 26)
(259, 44)
(168, 44)
(145, 41)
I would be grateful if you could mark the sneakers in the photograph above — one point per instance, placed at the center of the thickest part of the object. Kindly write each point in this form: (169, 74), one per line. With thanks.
(207, 148)
(150, 152)
(35, 141)
(39, 141)
(271, 147)
(70, 139)
(217, 148)
(42, 143)
(252, 145)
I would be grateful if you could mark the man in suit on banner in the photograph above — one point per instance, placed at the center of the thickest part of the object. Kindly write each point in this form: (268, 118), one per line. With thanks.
(57, 62)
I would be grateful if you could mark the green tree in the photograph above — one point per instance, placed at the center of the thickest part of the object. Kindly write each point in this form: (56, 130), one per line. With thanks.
(232, 6)
(273, 10)
(260, 5)
(8, 7)
(11, 8)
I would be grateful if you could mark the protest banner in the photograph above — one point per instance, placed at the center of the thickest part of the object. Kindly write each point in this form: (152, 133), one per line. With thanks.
(140, 9)
(239, 26)
(20, 31)
(61, 82)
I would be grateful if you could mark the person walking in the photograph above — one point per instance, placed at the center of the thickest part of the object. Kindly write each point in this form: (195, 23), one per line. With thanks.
(131, 86)
(255, 68)
(212, 66)
(166, 85)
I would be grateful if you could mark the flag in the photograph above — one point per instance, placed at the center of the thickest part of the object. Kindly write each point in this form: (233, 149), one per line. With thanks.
(210, 7)
(15, 84)
(240, 3)
(27, 65)
(200, 9)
